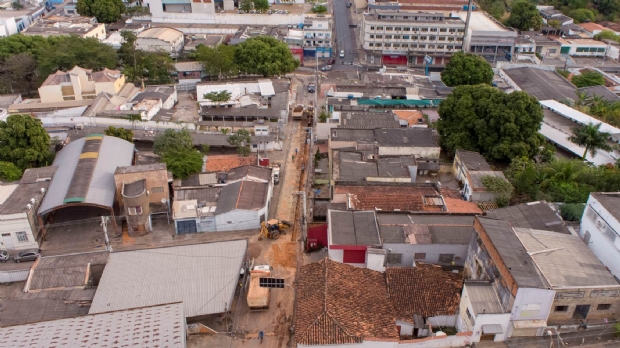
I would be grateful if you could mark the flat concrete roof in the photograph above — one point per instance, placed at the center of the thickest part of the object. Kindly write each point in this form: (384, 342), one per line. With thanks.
(481, 22)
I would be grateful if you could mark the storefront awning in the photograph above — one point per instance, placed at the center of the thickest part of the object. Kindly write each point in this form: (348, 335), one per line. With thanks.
(491, 329)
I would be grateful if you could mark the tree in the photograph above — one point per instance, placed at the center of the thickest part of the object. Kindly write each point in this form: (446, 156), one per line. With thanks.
(69, 51)
(218, 61)
(246, 5)
(17, 5)
(467, 69)
(501, 187)
(218, 97)
(588, 78)
(591, 137)
(10, 172)
(123, 133)
(24, 142)
(173, 140)
(607, 35)
(19, 73)
(139, 65)
(266, 56)
(137, 11)
(241, 140)
(609, 8)
(323, 117)
(319, 9)
(261, 5)
(484, 119)
(183, 162)
(106, 11)
(582, 15)
(554, 24)
(524, 16)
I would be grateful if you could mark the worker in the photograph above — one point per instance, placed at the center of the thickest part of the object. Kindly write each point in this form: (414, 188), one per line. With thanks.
(260, 336)
(296, 149)
(303, 167)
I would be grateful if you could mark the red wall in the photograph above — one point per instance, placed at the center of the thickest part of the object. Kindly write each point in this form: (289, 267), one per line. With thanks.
(354, 256)
(319, 233)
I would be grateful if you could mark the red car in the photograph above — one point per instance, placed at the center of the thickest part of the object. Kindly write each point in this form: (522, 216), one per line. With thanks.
(331, 61)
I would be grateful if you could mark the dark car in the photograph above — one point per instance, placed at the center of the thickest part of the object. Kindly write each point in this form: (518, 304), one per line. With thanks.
(27, 255)
(349, 5)
(331, 61)
(311, 88)
(4, 256)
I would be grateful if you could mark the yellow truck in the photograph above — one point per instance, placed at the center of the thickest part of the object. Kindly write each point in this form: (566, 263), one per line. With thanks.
(258, 297)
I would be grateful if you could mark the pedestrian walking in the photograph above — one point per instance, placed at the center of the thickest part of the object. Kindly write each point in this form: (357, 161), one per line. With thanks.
(260, 336)
(296, 149)
(293, 157)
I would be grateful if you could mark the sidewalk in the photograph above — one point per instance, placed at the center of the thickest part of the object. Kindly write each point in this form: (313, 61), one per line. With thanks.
(587, 338)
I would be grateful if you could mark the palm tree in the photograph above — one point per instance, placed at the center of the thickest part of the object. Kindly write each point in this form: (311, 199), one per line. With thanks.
(591, 137)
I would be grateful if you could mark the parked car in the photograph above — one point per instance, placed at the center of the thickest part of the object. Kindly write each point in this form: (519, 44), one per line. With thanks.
(27, 255)
(327, 68)
(4, 256)
(349, 4)
(311, 88)
(342, 54)
(331, 61)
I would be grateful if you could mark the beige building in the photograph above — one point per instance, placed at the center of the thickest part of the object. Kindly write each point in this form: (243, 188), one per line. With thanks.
(64, 26)
(161, 39)
(156, 183)
(80, 84)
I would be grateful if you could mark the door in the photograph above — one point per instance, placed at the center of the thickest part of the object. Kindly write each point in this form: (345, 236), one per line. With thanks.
(581, 312)
(487, 337)
(564, 50)
(187, 226)
(8, 241)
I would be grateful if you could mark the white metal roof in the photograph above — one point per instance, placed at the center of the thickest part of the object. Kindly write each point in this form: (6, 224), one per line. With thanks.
(577, 116)
(5, 192)
(561, 139)
(266, 88)
(203, 276)
(157, 326)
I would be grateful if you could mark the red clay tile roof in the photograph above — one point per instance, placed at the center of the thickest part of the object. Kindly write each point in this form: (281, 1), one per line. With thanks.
(340, 304)
(224, 163)
(425, 290)
(411, 116)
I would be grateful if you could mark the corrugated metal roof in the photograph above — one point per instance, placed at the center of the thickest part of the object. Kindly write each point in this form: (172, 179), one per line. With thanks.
(113, 152)
(157, 326)
(451, 234)
(65, 271)
(246, 195)
(537, 215)
(483, 298)
(354, 228)
(578, 116)
(266, 88)
(203, 276)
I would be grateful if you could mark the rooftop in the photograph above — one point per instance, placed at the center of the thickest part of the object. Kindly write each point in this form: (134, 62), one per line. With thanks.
(609, 201)
(157, 326)
(542, 84)
(537, 215)
(483, 298)
(141, 168)
(564, 260)
(59, 77)
(581, 41)
(155, 92)
(164, 34)
(242, 195)
(368, 120)
(350, 166)
(344, 134)
(592, 27)
(418, 137)
(577, 116)
(224, 163)
(412, 117)
(18, 199)
(353, 228)
(480, 21)
(202, 276)
(342, 304)
(424, 290)
(477, 176)
(600, 91)
(472, 160)
(68, 271)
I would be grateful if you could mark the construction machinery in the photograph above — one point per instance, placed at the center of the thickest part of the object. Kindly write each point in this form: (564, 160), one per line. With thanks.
(273, 228)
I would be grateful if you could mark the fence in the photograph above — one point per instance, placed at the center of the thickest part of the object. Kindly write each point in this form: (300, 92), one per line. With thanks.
(14, 276)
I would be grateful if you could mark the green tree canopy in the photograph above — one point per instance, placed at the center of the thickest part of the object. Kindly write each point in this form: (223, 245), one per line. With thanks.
(524, 16)
(123, 133)
(218, 61)
(218, 97)
(467, 69)
(319, 9)
(137, 11)
(17, 5)
(241, 140)
(24, 142)
(554, 24)
(106, 11)
(138, 65)
(183, 163)
(246, 5)
(173, 140)
(261, 5)
(588, 78)
(10, 172)
(607, 34)
(484, 119)
(582, 15)
(590, 137)
(501, 187)
(266, 56)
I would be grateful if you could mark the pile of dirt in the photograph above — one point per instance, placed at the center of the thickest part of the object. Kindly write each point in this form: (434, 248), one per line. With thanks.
(282, 255)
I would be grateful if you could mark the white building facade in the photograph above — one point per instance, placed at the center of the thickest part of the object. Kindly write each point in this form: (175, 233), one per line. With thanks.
(600, 229)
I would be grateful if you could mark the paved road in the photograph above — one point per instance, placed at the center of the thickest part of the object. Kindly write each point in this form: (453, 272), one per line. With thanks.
(345, 36)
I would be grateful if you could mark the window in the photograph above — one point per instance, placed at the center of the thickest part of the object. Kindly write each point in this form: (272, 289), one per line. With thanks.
(407, 29)
(389, 28)
(424, 29)
(461, 30)
(415, 29)
(561, 308)
(23, 237)
(431, 47)
(372, 36)
(446, 258)
(434, 29)
(406, 37)
(582, 49)
(603, 307)
(378, 44)
(389, 37)
(379, 28)
(450, 47)
(398, 28)
(396, 37)
(396, 45)
(442, 30)
(468, 313)
(441, 47)
(415, 37)
(423, 38)
(452, 30)
(388, 45)
(419, 256)
(442, 38)
(371, 44)
(134, 210)
(394, 258)
(591, 214)
(372, 28)
(600, 49)
(432, 38)
(379, 36)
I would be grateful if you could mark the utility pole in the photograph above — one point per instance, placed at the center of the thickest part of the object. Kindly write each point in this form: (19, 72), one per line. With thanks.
(303, 216)
(469, 6)
(104, 223)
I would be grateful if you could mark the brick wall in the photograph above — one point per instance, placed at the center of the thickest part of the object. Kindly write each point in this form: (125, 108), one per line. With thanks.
(154, 179)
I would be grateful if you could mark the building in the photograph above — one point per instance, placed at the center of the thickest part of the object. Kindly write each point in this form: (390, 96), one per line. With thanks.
(15, 21)
(471, 169)
(539, 83)
(402, 38)
(600, 229)
(19, 225)
(351, 234)
(187, 274)
(592, 29)
(193, 41)
(67, 272)
(157, 179)
(317, 36)
(145, 326)
(80, 84)
(599, 91)
(428, 238)
(582, 47)
(538, 215)
(152, 100)
(83, 27)
(482, 313)
(189, 72)
(488, 38)
(354, 166)
(423, 297)
(418, 142)
(166, 40)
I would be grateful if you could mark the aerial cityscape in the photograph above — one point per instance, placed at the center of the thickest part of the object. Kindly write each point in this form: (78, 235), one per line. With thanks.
(309, 173)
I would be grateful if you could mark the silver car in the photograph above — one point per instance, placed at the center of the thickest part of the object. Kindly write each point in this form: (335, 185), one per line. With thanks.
(4, 256)
(27, 255)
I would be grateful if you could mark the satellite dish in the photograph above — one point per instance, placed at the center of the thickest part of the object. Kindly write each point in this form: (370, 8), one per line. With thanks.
(163, 201)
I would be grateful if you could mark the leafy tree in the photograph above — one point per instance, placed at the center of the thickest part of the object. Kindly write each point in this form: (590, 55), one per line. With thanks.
(588, 78)
(261, 5)
(494, 8)
(467, 69)
(106, 11)
(123, 133)
(18, 73)
(10, 172)
(173, 140)
(139, 65)
(241, 140)
(137, 11)
(564, 73)
(246, 5)
(524, 16)
(218, 61)
(24, 142)
(591, 137)
(319, 9)
(67, 52)
(317, 157)
(572, 211)
(484, 119)
(17, 5)
(323, 117)
(183, 162)
(501, 187)
(608, 7)
(607, 34)
(218, 97)
(582, 15)
(266, 56)
(205, 149)
(554, 24)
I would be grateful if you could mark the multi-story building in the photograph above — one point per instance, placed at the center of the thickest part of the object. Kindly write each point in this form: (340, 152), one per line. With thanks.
(83, 27)
(399, 38)
(14, 21)
(317, 36)
(161, 40)
(488, 38)
(79, 84)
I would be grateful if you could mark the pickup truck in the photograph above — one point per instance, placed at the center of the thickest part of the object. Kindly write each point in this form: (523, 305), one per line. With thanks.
(275, 173)
(258, 297)
(298, 112)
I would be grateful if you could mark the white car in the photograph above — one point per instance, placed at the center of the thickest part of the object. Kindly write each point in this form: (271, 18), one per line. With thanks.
(342, 54)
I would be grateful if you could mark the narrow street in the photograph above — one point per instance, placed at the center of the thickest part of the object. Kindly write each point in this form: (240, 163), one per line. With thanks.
(344, 35)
